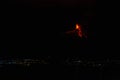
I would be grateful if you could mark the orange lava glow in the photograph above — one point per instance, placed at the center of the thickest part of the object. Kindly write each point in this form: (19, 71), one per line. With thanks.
(77, 26)
(78, 29)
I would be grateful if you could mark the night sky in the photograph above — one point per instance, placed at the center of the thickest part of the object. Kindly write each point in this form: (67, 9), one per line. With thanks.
(37, 27)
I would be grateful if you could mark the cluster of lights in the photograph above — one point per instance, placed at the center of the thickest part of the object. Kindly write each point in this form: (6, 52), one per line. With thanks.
(82, 62)
(26, 62)
(67, 61)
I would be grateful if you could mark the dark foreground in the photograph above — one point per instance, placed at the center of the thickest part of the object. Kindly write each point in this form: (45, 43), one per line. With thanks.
(54, 72)
(60, 72)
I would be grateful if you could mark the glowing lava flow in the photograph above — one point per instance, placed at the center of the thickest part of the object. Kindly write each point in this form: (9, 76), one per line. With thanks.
(78, 29)
(77, 26)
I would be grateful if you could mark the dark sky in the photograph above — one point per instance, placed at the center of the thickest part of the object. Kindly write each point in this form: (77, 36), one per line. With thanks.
(84, 8)
(38, 26)
(55, 2)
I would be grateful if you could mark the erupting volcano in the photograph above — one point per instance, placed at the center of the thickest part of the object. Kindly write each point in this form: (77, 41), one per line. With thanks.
(78, 30)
